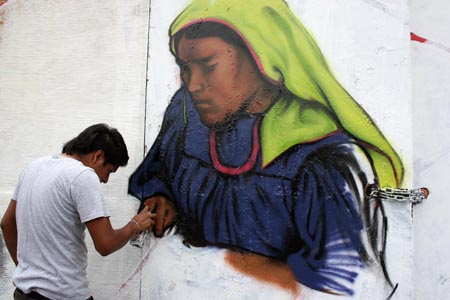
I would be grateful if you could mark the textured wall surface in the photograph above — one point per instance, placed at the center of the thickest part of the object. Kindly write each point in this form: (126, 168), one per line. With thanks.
(431, 107)
(63, 67)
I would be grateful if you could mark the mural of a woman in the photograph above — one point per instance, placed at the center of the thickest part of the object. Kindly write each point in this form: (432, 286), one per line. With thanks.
(262, 152)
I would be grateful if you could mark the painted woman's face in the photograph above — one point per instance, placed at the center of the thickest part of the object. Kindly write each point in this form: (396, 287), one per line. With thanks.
(221, 78)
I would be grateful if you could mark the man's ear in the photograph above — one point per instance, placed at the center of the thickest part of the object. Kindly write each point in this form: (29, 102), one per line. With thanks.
(98, 155)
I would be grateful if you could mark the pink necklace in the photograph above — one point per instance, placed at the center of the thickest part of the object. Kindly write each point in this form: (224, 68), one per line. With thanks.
(251, 161)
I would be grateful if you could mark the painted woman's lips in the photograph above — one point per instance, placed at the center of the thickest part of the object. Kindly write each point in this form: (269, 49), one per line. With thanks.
(200, 100)
(202, 103)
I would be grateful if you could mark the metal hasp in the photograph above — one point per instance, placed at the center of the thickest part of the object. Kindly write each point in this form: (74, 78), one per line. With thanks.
(414, 196)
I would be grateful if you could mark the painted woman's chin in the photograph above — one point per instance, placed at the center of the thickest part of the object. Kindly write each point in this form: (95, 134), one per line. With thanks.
(219, 119)
(212, 120)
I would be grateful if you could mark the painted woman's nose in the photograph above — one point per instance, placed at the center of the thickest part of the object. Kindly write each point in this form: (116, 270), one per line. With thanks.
(196, 82)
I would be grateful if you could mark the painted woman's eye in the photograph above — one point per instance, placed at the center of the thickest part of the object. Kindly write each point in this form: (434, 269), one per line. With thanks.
(210, 68)
(184, 68)
(184, 71)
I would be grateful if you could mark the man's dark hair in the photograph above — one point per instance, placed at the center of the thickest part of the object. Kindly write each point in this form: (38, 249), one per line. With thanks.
(99, 137)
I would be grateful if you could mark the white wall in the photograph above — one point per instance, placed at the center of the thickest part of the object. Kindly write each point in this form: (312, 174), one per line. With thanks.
(65, 65)
(431, 99)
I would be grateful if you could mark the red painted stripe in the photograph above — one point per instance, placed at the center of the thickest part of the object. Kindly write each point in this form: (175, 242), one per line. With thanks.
(416, 38)
(422, 40)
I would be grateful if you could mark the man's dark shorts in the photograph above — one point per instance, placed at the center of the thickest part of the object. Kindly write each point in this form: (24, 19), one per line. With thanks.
(19, 295)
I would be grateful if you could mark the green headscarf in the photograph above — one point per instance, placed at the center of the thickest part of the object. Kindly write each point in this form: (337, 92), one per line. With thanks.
(286, 53)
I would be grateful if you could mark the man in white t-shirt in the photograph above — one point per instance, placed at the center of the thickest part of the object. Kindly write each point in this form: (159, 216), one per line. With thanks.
(56, 198)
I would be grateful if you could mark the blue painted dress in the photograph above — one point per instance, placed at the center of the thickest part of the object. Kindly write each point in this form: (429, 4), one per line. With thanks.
(304, 208)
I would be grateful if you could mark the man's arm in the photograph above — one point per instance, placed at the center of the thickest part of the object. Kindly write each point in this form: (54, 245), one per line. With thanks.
(9, 230)
(108, 240)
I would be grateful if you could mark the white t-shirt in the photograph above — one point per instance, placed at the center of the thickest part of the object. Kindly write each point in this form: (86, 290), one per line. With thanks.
(55, 196)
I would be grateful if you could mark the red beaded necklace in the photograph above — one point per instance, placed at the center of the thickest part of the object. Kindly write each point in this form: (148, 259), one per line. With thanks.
(251, 161)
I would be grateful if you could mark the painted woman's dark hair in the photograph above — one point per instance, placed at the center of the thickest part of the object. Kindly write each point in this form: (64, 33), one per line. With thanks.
(210, 29)
(100, 137)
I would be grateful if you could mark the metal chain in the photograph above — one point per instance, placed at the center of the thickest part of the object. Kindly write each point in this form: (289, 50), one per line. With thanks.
(400, 194)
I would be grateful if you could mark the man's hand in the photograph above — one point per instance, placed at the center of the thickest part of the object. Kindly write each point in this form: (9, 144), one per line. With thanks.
(107, 240)
(145, 219)
(164, 210)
